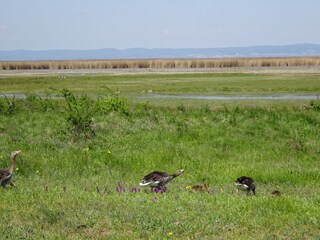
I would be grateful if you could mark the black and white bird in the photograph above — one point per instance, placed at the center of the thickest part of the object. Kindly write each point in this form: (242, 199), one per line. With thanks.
(159, 179)
(6, 174)
(246, 184)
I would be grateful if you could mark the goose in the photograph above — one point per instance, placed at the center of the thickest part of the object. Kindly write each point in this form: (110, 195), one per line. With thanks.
(246, 184)
(159, 179)
(6, 174)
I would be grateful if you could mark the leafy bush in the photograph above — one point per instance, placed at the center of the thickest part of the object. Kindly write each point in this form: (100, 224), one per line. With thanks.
(315, 105)
(7, 106)
(112, 102)
(36, 102)
(79, 114)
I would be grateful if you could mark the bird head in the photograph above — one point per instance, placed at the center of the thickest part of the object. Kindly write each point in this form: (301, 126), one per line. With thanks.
(178, 172)
(240, 180)
(15, 153)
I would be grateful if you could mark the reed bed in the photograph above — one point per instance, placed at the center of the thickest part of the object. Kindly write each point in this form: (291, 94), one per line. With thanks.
(162, 63)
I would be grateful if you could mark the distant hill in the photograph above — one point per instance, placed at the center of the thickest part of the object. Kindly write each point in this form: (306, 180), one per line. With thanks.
(143, 53)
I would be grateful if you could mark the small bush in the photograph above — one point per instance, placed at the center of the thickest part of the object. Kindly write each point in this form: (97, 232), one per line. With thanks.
(315, 105)
(35, 102)
(7, 106)
(112, 102)
(79, 114)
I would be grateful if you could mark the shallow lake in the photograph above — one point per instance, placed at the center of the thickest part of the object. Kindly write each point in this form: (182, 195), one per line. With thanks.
(234, 97)
(203, 97)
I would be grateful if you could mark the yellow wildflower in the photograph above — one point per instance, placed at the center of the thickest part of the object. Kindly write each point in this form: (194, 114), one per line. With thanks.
(37, 171)
(221, 190)
(17, 169)
(86, 149)
(188, 187)
(169, 234)
(108, 151)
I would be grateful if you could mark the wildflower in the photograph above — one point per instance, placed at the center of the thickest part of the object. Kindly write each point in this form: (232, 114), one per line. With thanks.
(120, 187)
(159, 190)
(108, 151)
(134, 189)
(221, 190)
(17, 169)
(37, 172)
(188, 187)
(86, 149)
(169, 234)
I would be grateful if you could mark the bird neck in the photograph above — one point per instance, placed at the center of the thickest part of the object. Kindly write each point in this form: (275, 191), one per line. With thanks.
(175, 175)
(11, 163)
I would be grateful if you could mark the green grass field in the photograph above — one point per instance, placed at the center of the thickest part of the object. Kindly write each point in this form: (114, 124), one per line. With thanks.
(66, 183)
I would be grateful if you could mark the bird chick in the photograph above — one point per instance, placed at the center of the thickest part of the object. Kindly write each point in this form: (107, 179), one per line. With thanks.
(199, 187)
(276, 193)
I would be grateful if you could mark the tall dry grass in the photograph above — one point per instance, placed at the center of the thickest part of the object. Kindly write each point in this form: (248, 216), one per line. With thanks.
(161, 63)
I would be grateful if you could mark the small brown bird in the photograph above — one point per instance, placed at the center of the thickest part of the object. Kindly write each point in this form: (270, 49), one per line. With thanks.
(6, 175)
(246, 184)
(199, 187)
(276, 193)
(159, 179)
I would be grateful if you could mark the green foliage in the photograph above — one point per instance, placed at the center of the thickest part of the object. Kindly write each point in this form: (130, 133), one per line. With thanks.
(7, 106)
(79, 113)
(36, 103)
(315, 105)
(70, 187)
(112, 103)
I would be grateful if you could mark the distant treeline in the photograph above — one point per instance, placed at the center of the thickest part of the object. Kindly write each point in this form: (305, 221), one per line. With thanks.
(162, 63)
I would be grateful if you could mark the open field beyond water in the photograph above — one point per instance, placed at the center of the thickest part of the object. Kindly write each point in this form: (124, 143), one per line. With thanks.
(83, 183)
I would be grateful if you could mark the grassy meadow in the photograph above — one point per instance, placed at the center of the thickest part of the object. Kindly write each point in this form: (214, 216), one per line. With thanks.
(83, 156)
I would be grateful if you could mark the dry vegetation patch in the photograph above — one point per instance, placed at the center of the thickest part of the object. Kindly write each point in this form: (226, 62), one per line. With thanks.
(161, 63)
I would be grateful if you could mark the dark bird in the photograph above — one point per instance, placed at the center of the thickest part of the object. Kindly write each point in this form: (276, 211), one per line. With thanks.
(246, 184)
(6, 174)
(159, 179)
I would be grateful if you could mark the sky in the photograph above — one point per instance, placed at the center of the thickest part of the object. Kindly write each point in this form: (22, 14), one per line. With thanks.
(122, 24)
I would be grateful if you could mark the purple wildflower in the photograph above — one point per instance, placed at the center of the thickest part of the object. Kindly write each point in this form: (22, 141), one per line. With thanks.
(159, 189)
(120, 187)
(134, 189)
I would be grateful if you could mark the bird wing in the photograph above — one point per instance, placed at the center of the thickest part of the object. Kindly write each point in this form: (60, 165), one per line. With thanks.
(155, 176)
(4, 174)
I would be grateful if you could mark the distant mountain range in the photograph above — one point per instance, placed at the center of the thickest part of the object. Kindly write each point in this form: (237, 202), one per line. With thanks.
(143, 53)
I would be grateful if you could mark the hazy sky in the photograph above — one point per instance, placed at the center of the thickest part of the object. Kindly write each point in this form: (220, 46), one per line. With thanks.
(92, 24)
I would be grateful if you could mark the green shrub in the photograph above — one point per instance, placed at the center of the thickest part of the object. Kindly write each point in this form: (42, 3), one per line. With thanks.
(315, 105)
(7, 106)
(112, 102)
(36, 102)
(79, 113)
